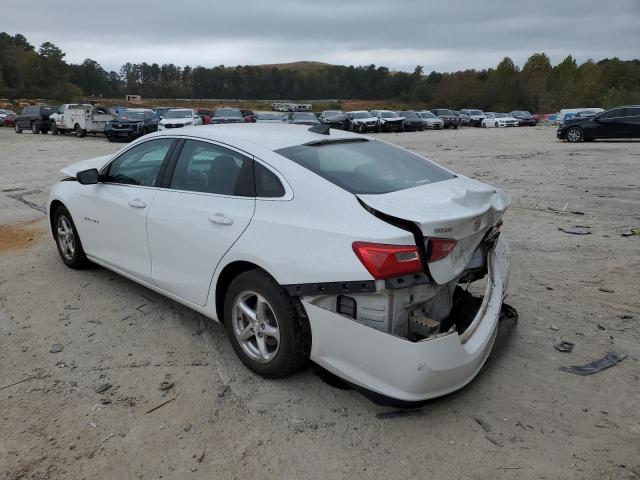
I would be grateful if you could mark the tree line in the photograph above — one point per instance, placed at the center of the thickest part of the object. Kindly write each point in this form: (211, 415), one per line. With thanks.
(539, 86)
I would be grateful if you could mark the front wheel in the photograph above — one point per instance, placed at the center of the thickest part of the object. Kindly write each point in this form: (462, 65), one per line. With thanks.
(68, 240)
(574, 135)
(264, 327)
(455, 127)
(54, 129)
(80, 132)
(34, 128)
(16, 128)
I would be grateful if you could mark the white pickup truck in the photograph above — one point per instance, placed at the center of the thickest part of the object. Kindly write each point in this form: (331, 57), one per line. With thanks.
(79, 118)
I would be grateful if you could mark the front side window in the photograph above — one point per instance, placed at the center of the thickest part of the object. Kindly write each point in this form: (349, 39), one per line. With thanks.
(366, 166)
(140, 164)
(209, 168)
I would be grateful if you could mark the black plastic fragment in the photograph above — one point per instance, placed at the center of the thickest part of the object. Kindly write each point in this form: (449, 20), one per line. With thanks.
(331, 288)
(609, 360)
(564, 346)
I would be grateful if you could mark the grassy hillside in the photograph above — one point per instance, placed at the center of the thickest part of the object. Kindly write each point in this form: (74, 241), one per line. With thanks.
(303, 66)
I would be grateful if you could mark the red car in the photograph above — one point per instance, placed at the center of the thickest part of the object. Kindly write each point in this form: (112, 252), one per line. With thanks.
(205, 114)
(9, 120)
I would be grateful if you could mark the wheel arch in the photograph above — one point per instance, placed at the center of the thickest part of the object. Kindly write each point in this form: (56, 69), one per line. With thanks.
(53, 206)
(226, 276)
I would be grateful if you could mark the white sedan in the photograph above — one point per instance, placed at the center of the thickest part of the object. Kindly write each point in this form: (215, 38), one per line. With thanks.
(178, 118)
(496, 120)
(306, 244)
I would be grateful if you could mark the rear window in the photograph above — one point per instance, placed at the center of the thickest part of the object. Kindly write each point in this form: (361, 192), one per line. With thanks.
(366, 166)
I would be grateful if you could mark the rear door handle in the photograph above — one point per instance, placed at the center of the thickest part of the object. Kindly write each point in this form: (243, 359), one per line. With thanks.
(137, 203)
(221, 219)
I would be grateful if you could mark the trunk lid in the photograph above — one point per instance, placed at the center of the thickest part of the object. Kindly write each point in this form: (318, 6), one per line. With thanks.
(461, 208)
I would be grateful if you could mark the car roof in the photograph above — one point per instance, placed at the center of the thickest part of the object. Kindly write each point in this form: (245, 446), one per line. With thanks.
(271, 136)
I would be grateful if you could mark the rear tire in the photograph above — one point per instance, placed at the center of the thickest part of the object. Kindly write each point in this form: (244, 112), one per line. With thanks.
(254, 304)
(68, 240)
(16, 128)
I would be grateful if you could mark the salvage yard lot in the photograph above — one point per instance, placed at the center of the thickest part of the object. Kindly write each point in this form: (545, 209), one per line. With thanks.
(88, 411)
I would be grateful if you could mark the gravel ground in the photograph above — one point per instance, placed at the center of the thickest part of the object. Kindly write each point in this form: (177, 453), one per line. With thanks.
(86, 411)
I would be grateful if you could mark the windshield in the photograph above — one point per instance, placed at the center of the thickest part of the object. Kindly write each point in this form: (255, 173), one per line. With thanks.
(361, 115)
(476, 112)
(178, 114)
(388, 114)
(366, 166)
(268, 116)
(227, 112)
(427, 115)
(304, 116)
(408, 114)
(445, 112)
(332, 113)
(500, 115)
(131, 116)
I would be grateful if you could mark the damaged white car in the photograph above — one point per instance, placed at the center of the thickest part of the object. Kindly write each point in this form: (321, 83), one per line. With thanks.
(307, 244)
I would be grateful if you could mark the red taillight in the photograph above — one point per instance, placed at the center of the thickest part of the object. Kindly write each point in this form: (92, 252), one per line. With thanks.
(439, 248)
(386, 261)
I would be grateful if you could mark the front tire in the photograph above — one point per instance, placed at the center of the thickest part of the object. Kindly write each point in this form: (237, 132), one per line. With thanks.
(54, 129)
(264, 327)
(16, 128)
(34, 128)
(574, 135)
(68, 240)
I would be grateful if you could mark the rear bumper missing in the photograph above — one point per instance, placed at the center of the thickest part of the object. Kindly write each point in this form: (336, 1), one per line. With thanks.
(406, 371)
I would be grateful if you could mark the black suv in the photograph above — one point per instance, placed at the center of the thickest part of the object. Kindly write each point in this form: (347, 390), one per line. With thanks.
(619, 122)
(447, 116)
(34, 118)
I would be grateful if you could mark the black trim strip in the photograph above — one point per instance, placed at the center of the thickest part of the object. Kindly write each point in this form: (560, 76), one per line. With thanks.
(331, 288)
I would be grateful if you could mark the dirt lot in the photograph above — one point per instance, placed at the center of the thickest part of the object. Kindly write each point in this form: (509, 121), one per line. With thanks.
(84, 412)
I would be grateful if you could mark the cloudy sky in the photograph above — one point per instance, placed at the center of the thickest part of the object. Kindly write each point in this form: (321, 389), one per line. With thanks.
(442, 35)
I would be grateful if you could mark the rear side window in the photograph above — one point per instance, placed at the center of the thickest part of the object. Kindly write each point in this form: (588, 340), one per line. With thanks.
(618, 112)
(267, 184)
(209, 168)
(367, 167)
(632, 112)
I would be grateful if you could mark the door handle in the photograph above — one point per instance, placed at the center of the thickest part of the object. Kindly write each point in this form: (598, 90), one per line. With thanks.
(137, 203)
(221, 219)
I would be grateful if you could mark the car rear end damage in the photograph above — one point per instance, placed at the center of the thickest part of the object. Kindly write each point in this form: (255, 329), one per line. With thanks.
(402, 344)
(420, 333)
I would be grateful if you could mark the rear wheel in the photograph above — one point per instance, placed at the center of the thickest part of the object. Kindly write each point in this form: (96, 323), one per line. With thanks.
(17, 128)
(68, 240)
(264, 327)
(455, 127)
(79, 131)
(574, 134)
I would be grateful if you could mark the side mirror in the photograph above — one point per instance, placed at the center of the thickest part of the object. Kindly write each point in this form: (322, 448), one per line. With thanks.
(88, 177)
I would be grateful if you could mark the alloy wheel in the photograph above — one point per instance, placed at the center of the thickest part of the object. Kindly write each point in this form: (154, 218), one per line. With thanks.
(256, 327)
(66, 238)
(574, 135)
